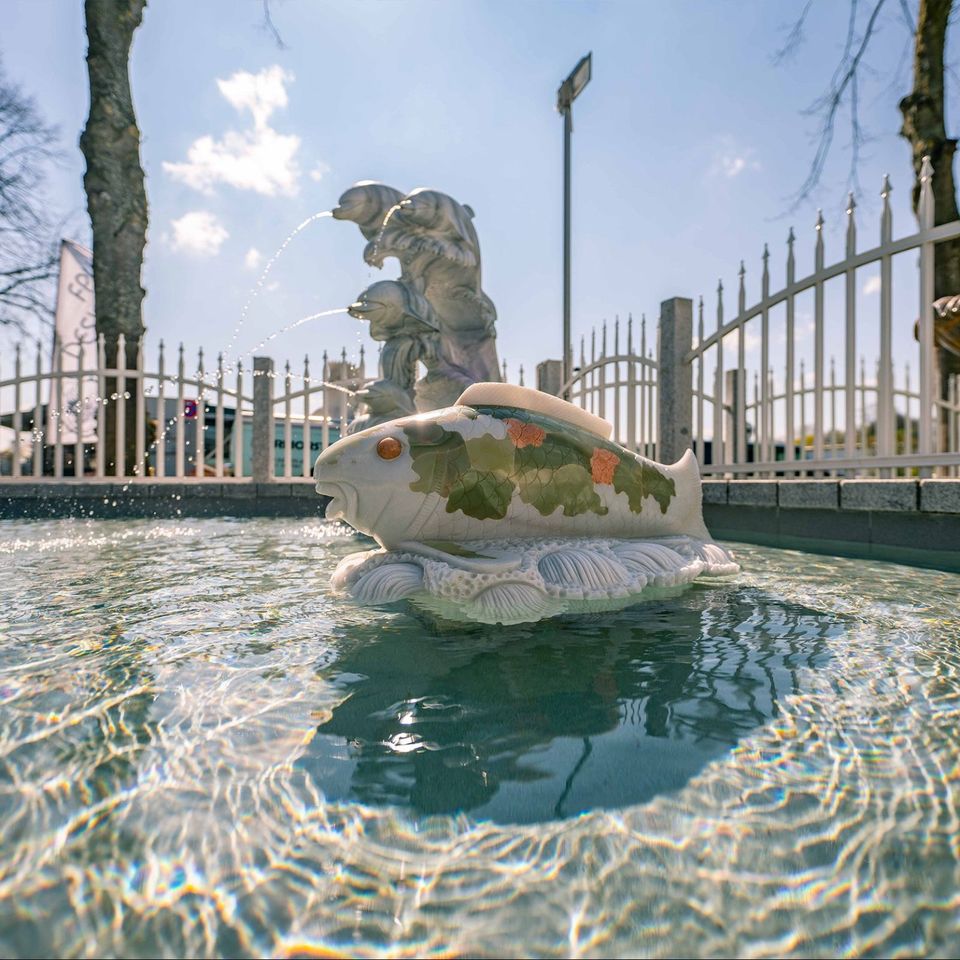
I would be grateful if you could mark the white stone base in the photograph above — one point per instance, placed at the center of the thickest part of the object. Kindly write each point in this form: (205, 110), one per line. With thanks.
(522, 581)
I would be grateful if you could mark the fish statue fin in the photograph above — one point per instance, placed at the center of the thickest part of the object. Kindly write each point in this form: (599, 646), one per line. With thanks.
(536, 401)
(459, 555)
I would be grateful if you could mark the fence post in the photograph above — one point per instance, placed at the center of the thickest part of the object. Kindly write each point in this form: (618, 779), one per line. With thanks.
(263, 432)
(735, 398)
(675, 379)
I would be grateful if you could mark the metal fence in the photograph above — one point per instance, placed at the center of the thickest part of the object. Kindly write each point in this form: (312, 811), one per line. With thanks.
(771, 417)
(190, 421)
(620, 386)
(824, 420)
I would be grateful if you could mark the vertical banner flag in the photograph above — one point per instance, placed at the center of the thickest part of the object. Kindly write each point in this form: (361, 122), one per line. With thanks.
(75, 328)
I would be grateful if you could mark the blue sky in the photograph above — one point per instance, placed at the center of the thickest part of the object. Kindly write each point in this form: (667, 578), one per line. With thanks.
(687, 145)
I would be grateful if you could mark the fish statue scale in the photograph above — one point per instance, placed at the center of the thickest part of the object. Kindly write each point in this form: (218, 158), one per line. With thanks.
(511, 506)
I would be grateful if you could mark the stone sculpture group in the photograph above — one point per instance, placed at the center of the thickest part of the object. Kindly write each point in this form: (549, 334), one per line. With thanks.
(436, 314)
(505, 505)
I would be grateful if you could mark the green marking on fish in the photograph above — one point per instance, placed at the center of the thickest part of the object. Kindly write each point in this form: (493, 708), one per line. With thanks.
(638, 480)
(552, 465)
(439, 457)
(456, 549)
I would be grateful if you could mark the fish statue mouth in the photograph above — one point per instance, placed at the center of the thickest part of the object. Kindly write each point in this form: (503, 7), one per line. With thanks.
(344, 499)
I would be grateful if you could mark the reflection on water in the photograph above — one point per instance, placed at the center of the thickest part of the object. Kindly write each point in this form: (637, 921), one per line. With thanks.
(528, 723)
(203, 753)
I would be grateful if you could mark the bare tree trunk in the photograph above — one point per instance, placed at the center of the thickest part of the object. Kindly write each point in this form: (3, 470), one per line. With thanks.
(924, 126)
(116, 199)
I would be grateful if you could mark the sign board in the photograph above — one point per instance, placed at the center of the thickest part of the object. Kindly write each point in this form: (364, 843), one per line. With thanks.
(279, 445)
(75, 328)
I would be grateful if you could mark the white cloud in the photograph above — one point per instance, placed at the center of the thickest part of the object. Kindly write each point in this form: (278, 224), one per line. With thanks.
(259, 159)
(252, 260)
(198, 233)
(730, 158)
(319, 171)
(871, 286)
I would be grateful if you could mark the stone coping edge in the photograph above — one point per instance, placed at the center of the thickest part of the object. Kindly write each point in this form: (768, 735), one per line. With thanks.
(916, 539)
(50, 499)
(892, 496)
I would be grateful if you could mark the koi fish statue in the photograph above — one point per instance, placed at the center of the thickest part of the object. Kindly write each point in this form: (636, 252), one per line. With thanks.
(512, 506)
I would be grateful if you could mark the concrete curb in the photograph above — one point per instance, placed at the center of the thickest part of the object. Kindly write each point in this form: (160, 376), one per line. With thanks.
(22, 500)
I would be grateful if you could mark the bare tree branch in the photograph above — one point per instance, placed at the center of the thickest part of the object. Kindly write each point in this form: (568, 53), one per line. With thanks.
(843, 86)
(270, 26)
(907, 17)
(795, 37)
(28, 241)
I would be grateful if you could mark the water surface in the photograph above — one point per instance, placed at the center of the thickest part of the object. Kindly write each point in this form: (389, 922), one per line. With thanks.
(204, 753)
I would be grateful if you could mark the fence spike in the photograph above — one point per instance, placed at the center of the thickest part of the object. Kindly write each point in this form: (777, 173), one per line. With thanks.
(630, 333)
(886, 215)
(851, 226)
(925, 206)
(616, 334)
(742, 292)
(583, 354)
(818, 249)
(593, 345)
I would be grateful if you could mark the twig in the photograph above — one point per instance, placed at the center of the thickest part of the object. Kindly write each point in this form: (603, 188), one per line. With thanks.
(270, 26)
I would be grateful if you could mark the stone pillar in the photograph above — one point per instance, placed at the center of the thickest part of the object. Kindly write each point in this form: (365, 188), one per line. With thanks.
(675, 379)
(263, 432)
(550, 377)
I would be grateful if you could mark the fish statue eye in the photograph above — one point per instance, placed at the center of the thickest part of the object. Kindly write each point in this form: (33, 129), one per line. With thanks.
(389, 448)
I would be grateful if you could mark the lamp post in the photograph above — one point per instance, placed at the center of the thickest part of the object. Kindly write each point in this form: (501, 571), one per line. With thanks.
(568, 92)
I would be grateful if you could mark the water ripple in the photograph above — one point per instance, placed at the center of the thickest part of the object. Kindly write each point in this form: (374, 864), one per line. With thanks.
(203, 753)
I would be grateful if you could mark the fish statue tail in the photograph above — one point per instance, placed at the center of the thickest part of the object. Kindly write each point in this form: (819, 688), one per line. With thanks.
(689, 502)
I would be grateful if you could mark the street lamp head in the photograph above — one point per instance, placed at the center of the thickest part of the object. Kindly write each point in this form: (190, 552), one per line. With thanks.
(570, 88)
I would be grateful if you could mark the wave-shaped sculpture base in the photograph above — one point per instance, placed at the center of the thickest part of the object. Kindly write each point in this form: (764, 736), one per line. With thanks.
(522, 581)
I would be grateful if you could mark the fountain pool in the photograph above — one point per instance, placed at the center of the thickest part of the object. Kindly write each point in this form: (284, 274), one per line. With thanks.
(203, 752)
